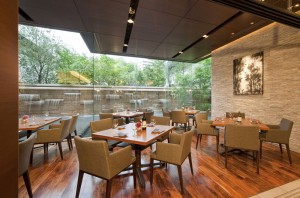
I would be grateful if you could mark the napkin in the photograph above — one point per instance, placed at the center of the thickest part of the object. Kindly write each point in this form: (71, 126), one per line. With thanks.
(156, 130)
(121, 134)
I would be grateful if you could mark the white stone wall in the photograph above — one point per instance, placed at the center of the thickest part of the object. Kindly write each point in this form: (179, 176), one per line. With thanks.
(281, 98)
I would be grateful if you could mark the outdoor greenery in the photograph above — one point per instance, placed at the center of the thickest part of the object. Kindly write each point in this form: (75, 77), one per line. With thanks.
(44, 59)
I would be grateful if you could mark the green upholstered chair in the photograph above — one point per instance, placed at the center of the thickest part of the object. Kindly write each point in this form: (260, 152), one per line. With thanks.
(25, 149)
(101, 125)
(175, 152)
(242, 137)
(179, 117)
(204, 128)
(54, 135)
(95, 159)
(279, 134)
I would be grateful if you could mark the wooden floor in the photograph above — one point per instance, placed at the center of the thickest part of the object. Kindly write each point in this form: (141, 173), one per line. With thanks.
(53, 177)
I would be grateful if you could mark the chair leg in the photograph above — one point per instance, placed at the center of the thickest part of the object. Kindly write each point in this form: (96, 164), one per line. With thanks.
(289, 152)
(191, 164)
(68, 141)
(44, 148)
(218, 142)
(134, 169)
(280, 146)
(75, 132)
(27, 183)
(257, 162)
(151, 171)
(226, 150)
(79, 181)
(180, 178)
(60, 150)
(108, 187)
(198, 136)
(260, 149)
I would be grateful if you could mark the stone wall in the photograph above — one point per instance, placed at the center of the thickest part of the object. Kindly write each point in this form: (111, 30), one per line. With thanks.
(281, 47)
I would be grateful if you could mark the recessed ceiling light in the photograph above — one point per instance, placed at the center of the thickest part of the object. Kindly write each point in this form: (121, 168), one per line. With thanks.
(297, 5)
(232, 33)
(252, 23)
(125, 45)
(205, 36)
(130, 21)
(180, 52)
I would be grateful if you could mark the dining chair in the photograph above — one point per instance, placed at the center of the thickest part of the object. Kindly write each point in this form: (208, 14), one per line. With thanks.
(235, 114)
(166, 113)
(110, 115)
(175, 152)
(179, 117)
(25, 149)
(242, 137)
(95, 159)
(54, 135)
(204, 127)
(202, 115)
(107, 111)
(162, 121)
(279, 134)
(141, 110)
(101, 125)
(148, 116)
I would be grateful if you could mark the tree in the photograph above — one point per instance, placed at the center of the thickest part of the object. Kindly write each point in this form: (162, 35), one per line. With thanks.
(154, 74)
(38, 57)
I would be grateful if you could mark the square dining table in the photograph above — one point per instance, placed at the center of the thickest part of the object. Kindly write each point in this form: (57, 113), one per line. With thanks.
(140, 140)
(127, 115)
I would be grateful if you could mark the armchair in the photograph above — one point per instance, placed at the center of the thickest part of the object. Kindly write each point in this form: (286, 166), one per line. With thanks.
(204, 128)
(179, 117)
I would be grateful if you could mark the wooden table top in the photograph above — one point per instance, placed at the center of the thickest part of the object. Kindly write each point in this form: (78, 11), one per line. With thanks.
(36, 123)
(143, 138)
(129, 114)
(245, 122)
(191, 112)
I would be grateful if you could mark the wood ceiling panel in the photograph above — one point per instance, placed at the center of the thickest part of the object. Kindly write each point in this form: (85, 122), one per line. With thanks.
(109, 44)
(211, 13)
(193, 54)
(152, 25)
(188, 31)
(57, 14)
(104, 17)
(141, 47)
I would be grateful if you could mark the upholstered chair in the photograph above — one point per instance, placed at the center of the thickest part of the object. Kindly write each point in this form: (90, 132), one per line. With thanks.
(101, 125)
(179, 117)
(242, 137)
(204, 128)
(95, 159)
(110, 115)
(175, 152)
(54, 135)
(167, 113)
(279, 134)
(107, 111)
(235, 114)
(162, 121)
(25, 149)
(148, 116)
(202, 115)
(142, 110)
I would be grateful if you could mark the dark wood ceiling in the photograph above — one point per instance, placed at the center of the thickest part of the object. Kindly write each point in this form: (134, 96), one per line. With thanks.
(161, 28)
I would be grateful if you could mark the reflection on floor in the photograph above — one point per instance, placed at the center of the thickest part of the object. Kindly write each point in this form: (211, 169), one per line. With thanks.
(289, 190)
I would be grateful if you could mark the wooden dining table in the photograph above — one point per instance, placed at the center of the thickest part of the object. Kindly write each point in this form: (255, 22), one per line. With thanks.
(33, 124)
(140, 140)
(191, 111)
(127, 115)
(222, 122)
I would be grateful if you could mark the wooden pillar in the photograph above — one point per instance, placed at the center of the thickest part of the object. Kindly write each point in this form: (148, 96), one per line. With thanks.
(9, 98)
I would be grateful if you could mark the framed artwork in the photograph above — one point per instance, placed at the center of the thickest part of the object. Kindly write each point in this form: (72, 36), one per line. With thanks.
(248, 75)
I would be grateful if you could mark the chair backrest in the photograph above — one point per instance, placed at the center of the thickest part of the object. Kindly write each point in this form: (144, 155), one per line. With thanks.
(201, 116)
(166, 113)
(235, 114)
(178, 116)
(243, 137)
(65, 128)
(148, 116)
(107, 111)
(105, 116)
(93, 156)
(286, 125)
(101, 125)
(185, 143)
(204, 127)
(142, 110)
(73, 123)
(25, 149)
(161, 120)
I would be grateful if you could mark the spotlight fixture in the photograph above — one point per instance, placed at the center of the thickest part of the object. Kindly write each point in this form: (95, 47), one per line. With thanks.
(181, 52)
(125, 45)
(251, 23)
(297, 5)
(130, 21)
(205, 36)
(131, 10)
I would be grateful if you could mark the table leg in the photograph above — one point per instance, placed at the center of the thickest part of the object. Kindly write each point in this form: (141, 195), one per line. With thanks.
(139, 167)
(127, 120)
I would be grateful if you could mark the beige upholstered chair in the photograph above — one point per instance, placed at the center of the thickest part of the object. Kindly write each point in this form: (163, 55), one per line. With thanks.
(202, 115)
(142, 110)
(179, 117)
(174, 152)
(107, 111)
(148, 116)
(235, 114)
(279, 134)
(110, 115)
(167, 113)
(101, 125)
(204, 128)
(95, 159)
(162, 121)
(25, 149)
(242, 137)
(54, 135)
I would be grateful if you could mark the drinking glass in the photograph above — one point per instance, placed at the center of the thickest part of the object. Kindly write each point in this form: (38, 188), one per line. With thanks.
(115, 122)
(153, 121)
(46, 113)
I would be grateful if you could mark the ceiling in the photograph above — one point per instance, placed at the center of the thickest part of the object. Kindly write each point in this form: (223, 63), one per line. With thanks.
(162, 28)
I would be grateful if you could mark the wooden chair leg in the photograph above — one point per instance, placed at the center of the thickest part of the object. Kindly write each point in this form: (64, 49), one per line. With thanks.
(191, 164)
(108, 187)
(226, 150)
(218, 142)
(198, 136)
(68, 141)
(257, 162)
(151, 171)
(60, 150)
(75, 132)
(289, 152)
(27, 183)
(260, 149)
(280, 146)
(79, 181)
(180, 178)
(134, 169)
